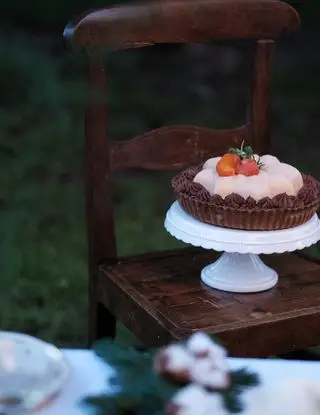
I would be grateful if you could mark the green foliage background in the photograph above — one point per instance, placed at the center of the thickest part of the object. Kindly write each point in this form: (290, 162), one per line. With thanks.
(43, 248)
(52, 14)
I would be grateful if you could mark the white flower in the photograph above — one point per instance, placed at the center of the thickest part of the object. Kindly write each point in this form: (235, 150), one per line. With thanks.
(194, 400)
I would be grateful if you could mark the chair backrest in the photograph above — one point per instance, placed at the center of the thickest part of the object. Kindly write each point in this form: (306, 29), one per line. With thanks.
(169, 21)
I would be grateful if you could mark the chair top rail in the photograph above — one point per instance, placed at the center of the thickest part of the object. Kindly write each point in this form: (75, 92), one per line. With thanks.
(181, 21)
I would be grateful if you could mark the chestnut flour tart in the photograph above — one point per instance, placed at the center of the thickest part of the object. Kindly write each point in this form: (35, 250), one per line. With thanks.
(242, 190)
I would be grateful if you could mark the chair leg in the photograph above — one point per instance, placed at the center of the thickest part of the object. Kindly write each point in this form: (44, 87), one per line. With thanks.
(102, 323)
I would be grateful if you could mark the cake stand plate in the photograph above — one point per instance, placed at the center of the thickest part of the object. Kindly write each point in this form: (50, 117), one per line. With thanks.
(239, 269)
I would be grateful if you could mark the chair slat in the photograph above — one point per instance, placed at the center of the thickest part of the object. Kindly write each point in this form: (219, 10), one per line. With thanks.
(175, 147)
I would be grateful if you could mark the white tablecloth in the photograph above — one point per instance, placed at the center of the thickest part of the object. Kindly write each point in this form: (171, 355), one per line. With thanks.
(89, 376)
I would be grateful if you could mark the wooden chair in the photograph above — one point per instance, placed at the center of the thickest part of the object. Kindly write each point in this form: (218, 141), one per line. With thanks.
(159, 296)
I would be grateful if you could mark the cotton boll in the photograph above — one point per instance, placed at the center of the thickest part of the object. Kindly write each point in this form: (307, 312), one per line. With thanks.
(218, 362)
(201, 345)
(194, 400)
(176, 362)
(190, 395)
(210, 374)
(207, 179)
(211, 163)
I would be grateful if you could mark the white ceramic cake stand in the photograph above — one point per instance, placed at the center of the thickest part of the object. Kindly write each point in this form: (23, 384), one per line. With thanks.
(239, 269)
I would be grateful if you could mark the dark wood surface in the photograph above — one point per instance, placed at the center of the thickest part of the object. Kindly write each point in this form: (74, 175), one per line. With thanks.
(99, 209)
(260, 100)
(160, 297)
(182, 21)
(176, 146)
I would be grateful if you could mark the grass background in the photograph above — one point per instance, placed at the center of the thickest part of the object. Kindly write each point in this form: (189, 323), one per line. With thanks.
(43, 253)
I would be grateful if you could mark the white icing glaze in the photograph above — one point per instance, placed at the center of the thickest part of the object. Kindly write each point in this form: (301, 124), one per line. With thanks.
(242, 185)
(290, 173)
(224, 186)
(280, 184)
(211, 163)
(207, 179)
(274, 178)
(258, 186)
(267, 160)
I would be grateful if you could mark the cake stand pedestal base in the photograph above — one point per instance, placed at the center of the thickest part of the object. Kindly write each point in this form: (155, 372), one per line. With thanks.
(239, 269)
(238, 273)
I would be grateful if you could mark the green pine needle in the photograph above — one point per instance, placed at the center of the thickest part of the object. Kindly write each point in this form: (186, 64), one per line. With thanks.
(248, 151)
(232, 402)
(138, 390)
(241, 379)
(243, 152)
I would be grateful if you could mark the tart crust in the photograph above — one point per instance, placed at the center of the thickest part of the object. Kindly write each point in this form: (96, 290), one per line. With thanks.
(279, 212)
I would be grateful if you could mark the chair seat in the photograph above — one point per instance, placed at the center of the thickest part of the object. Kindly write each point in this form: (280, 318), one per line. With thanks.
(161, 298)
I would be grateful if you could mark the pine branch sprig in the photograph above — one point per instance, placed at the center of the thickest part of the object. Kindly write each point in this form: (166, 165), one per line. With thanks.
(136, 388)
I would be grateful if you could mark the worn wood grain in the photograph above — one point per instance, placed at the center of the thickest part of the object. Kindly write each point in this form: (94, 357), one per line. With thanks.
(182, 21)
(260, 100)
(99, 209)
(175, 147)
(168, 293)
